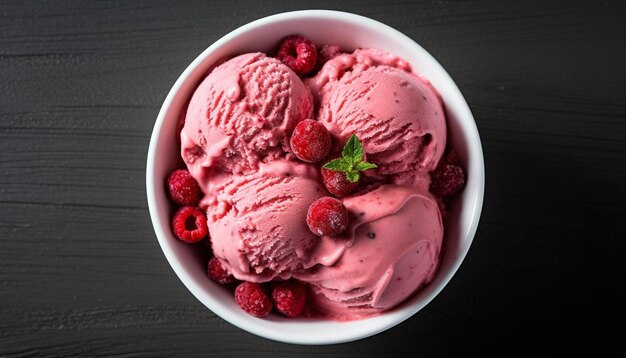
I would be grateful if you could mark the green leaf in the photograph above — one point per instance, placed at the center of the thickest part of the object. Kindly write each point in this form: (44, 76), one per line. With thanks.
(352, 176)
(353, 150)
(363, 166)
(351, 161)
(338, 165)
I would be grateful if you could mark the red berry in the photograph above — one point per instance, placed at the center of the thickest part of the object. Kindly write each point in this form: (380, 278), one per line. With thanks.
(289, 298)
(337, 183)
(327, 216)
(217, 272)
(252, 299)
(183, 188)
(298, 53)
(310, 141)
(448, 178)
(189, 224)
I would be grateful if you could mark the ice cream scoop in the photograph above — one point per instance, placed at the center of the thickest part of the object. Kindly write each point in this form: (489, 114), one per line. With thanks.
(390, 249)
(397, 114)
(257, 222)
(241, 114)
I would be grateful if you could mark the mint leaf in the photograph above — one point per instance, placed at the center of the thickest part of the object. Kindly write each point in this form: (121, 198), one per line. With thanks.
(363, 166)
(353, 150)
(352, 176)
(338, 165)
(351, 161)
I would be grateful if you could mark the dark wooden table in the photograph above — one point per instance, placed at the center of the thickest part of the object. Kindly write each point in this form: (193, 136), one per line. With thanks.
(82, 274)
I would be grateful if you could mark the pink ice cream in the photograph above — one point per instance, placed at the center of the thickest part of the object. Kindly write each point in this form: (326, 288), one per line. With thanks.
(255, 221)
(390, 249)
(241, 115)
(235, 144)
(396, 114)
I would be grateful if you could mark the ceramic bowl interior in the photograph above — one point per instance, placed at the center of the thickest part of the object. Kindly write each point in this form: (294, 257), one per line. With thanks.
(348, 31)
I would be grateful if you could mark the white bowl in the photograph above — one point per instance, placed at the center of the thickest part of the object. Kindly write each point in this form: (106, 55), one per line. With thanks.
(322, 27)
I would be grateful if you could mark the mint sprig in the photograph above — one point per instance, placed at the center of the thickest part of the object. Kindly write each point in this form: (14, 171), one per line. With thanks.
(351, 161)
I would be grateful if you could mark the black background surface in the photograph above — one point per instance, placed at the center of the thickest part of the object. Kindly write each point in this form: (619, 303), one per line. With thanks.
(81, 272)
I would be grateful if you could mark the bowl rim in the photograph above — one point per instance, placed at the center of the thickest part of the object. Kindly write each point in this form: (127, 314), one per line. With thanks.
(254, 325)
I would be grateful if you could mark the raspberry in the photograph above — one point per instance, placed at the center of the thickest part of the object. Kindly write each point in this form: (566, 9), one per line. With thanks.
(183, 188)
(298, 53)
(289, 298)
(337, 183)
(189, 224)
(310, 141)
(252, 299)
(217, 272)
(448, 178)
(327, 216)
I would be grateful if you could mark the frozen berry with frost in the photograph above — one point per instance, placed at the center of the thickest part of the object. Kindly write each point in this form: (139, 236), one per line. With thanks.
(217, 272)
(448, 178)
(299, 53)
(327, 216)
(289, 298)
(183, 188)
(189, 224)
(337, 183)
(310, 141)
(252, 299)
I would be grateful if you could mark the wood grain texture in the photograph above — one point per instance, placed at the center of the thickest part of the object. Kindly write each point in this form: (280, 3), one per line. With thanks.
(81, 83)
